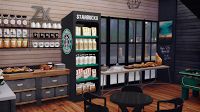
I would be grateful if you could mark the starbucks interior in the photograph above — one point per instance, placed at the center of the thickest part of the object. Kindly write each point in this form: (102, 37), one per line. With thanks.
(59, 53)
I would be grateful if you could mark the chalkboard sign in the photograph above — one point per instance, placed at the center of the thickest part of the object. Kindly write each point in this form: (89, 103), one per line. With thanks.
(165, 52)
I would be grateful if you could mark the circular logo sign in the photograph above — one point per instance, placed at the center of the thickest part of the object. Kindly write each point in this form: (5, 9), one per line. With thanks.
(67, 41)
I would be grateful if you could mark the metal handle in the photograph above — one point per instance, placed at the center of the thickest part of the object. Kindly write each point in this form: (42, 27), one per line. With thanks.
(54, 81)
(19, 85)
(28, 95)
(61, 90)
(48, 92)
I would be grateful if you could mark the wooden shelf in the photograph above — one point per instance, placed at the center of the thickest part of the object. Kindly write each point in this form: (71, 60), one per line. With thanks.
(80, 80)
(24, 90)
(62, 85)
(86, 51)
(90, 37)
(57, 97)
(45, 29)
(22, 103)
(88, 65)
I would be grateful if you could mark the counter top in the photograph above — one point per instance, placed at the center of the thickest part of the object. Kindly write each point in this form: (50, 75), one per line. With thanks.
(134, 70)
(6, 93)
(36, 73)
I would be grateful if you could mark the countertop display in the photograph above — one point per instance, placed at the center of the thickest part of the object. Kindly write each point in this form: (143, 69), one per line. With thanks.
(6, 93)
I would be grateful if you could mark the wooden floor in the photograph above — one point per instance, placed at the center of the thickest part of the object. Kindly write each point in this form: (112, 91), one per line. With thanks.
(158, 92)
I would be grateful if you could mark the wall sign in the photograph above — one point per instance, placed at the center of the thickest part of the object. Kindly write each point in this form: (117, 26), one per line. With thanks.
(87, 17)
(41, 13)
(67, 41)
(165, 52)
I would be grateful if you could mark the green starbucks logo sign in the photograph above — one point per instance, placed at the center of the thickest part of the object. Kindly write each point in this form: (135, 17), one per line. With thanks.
(67, 41)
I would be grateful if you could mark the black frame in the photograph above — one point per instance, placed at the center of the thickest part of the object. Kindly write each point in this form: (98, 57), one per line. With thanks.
(127, 43)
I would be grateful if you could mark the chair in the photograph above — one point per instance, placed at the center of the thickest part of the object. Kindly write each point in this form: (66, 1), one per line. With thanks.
(178, 105)
(91, 107)
(132, 89)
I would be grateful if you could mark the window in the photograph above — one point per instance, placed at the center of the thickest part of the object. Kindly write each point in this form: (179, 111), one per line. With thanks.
(127, 41)
(150, 46)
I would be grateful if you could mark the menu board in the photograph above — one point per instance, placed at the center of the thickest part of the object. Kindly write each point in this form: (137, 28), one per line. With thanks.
(165, 52)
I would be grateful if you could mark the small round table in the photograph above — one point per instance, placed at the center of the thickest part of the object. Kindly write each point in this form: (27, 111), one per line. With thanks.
(131, 99)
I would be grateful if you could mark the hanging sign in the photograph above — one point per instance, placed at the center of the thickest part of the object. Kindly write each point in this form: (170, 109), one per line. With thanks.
(67, 41)
(87, 17)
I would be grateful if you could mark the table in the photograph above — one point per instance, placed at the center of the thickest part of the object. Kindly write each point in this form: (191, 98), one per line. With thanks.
(105, 73)
(131, 99)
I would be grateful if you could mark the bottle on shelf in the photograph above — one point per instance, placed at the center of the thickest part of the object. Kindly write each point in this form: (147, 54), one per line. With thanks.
(85, 44)
(86, 59)
(81, 62)
(90, 47)
(77, 44)
(94, 44)
(81, 44)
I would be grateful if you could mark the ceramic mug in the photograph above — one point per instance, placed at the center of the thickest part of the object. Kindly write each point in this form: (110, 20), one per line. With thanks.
(42, 35)
(59, 26)
(46, 44)
(49, 25)
(41, 44)
(57, 44)
(35, 44)
(33, 24)
(52, 44)
(37, 25)
(55, 26)
(47, 35)
(44, 25)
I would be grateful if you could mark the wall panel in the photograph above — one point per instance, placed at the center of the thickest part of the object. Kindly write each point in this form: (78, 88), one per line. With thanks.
(59, 8)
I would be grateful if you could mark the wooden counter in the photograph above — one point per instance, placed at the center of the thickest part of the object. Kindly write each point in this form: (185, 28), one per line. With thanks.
(37, 73)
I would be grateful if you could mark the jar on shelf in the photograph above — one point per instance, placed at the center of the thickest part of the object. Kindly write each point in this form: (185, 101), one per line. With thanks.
(13, 33)
(1, 32)
(12, 20)
(19, 21)
(19, 42)
(6, 43)
(25, 43)
(24, 21)
(1, 43)
(24, 33)
(13, 43)
(5, 20)
(6, 32)
(19, 33)
(1, 20)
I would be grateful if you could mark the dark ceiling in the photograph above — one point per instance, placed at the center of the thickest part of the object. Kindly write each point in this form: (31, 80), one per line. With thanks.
(193, 5)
